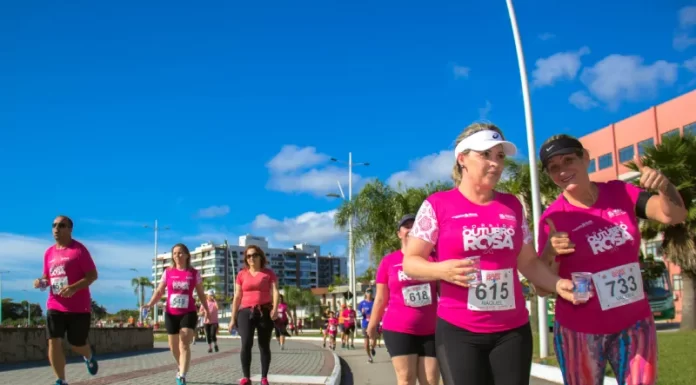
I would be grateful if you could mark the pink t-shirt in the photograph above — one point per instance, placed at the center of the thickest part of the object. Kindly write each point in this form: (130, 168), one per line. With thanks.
(415, 301)
(64, 267)
(283, 311)
(348, 317)
(607, 241)
(495, 232)
(180, 287)
(212, 317)
(333, 325)
(256, 289)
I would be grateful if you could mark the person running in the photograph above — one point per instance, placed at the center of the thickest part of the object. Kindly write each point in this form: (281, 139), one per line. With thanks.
(68, 271)
(365, 307)
(325, 327)
(210, 322)
(255, 308)
(281, 323)
(332, 329)
(348, 337)
(482, 240)
(180, 316)
(409, 330)
(593, 228)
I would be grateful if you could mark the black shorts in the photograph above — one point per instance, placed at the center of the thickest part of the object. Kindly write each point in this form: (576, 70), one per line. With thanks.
(402, 344)
(174, 323)
(348, 329)
(76, 325)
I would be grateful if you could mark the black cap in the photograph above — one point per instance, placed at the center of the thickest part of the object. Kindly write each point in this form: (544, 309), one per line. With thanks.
(560, 146)
(406, 218)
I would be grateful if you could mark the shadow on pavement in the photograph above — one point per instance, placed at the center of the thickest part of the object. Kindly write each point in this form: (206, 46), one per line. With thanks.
(667, 326)
(346, 373)
(71, 360)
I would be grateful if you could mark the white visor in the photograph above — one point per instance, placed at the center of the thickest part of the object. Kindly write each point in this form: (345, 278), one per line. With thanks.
(484, 140)
(211, 292)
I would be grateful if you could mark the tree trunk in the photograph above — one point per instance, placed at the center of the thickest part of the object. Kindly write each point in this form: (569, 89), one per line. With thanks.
(688, 298)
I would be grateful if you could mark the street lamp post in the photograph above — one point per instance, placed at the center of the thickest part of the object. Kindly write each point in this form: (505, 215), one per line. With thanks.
(351, 251)
(156, 228)
(533, 170)
(1, 273)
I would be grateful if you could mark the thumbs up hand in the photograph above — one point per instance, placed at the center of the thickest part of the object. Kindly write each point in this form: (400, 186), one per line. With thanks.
(559, 241)
(650, 179)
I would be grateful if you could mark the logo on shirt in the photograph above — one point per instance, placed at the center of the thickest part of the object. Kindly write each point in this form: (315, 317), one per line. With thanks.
(402, 276)
(180, 285)
(488, 238)
(57, 270)
(583, 225)
(466, 215)
(609, 238)
(508, 217)
(615, 213)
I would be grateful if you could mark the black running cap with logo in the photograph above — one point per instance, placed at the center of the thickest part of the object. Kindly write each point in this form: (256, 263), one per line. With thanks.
(406, 218)
(560, 146)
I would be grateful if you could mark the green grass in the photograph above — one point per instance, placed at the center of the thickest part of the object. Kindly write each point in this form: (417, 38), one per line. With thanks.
(675, 357)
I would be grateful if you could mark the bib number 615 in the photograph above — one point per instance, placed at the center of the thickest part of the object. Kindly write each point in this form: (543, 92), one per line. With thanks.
(483, 291)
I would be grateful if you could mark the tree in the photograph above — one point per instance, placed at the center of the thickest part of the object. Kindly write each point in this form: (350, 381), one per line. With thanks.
(296, 297)
(139, 284)
(376, 210)
(368, 276)
(17, 312)
(98, 311)
(675, 157)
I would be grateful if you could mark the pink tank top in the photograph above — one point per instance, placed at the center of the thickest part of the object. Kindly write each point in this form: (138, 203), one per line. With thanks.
(180, 287)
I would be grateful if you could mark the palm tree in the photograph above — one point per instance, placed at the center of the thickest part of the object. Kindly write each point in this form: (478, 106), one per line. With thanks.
(139, 284)
(675, 157)
(376, 209)
(296, 297)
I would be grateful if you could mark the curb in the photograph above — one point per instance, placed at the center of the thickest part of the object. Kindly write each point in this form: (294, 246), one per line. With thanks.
(554, 374)
(335, 377)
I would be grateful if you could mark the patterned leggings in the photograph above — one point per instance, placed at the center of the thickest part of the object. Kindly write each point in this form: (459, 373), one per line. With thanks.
(632, 354)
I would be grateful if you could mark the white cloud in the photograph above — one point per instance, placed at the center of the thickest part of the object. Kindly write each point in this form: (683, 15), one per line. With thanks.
(430, 168)
(683, 37)
(559, 66)
(213, 211)
(582, 100)
(115, 223)
(297, 170)
(311, 227)
(485, 111)
(546, 36)
(460, 71)
(690, 64)
(617, 78)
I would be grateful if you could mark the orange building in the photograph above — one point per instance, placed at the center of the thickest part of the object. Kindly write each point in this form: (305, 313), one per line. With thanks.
(613, 146)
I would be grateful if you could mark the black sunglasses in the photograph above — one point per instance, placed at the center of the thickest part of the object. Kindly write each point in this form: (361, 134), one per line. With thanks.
(255, 255)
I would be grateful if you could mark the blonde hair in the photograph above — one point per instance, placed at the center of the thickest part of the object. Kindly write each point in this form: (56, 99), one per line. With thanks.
(472, 129)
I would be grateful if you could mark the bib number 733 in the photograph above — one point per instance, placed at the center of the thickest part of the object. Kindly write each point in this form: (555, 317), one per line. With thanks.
(619, 286)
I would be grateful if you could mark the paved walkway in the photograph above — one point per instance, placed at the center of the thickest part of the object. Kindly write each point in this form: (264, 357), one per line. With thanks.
(299, 363)
(357, 371)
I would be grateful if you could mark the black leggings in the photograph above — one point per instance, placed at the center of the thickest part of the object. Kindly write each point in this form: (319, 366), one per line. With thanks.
(249, 320)
(211, 333)
(465, 357)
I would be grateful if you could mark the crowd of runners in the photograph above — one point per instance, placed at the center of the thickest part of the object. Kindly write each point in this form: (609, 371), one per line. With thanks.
(449, 302)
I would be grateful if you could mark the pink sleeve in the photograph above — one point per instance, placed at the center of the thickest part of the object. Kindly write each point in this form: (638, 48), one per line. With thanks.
(632, 190)
(426, 226)
(164, 276)
(383, 272)
(46, 272)
(240, 280)
(86, 261)
(272, 276)
(543, 231)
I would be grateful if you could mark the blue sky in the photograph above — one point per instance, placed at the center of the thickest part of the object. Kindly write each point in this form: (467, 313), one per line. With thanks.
(220, 119)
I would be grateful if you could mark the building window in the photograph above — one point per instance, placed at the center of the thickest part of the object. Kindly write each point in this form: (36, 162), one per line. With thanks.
(592, 167)
(670, 133)
(626, 154)
(643, 144)
(605, 161)
(653, 248)
(677, 282)
(690, 128)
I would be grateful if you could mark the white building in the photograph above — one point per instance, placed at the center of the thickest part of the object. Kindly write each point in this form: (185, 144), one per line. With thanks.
(301, 266)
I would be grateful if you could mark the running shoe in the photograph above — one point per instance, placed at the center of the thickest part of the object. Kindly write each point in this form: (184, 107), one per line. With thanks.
(60, 382)
(374, 351)
(217, 349)
(264, 381)
(245, 381)
(92, 365)
(181, 381)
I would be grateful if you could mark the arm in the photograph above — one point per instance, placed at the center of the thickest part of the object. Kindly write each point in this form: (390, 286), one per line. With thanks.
(535, 270)
(378, 306)
(201, 295)
(88, 268)
(158, 293)
(236, 300)
(276, 296)
(667, 207)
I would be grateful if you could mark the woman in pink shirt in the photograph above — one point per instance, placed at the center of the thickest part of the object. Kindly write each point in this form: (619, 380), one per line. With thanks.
(180, 316)
(281, 323)
(593, 228)
(482, 240)
(409, 329)
(254, 308)
(210, 323)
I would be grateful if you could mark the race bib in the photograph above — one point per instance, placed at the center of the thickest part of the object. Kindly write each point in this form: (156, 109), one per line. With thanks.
(619, 286)
(417, 295)
(58, 283)
(332, 328)
(495, 292)
(179, 301)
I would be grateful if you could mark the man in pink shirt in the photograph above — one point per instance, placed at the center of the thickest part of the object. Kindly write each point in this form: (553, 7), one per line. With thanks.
(68, 272)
